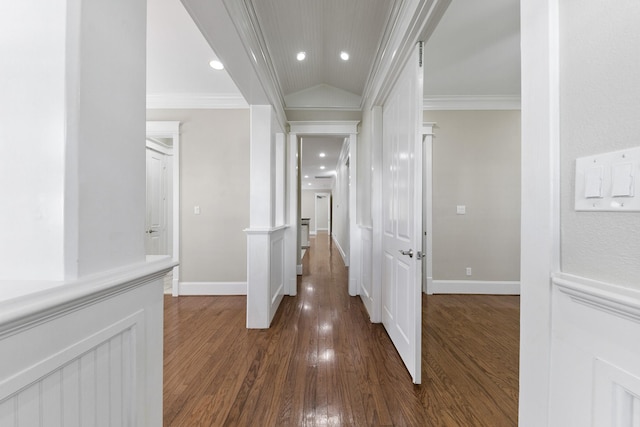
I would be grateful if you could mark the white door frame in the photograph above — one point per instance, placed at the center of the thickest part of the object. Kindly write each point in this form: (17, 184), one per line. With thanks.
(349, 130)
(315, 209)
(171, 130)
(427, 207)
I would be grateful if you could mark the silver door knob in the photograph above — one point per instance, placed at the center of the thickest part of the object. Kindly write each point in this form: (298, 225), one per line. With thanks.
(409, 252)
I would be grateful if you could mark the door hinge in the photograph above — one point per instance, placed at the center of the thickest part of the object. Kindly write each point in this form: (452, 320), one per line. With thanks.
(420, 53)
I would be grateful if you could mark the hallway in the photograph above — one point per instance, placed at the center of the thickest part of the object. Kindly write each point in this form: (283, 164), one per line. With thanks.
(323, 363)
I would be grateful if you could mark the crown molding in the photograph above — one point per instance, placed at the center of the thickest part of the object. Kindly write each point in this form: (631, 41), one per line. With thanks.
(480, 102)
(195, 101)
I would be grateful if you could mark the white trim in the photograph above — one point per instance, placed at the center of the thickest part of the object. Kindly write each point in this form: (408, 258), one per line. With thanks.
(342, 253)
(156, 101)
(617, 300)
(54, 299)
(299, 269)
(324, 127)
(171, 129)
(478, 102)
(213, 288)
(540, 221)
(427, 207)
(475, 287)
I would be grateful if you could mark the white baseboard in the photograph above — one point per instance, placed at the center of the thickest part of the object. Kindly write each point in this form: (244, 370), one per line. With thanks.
(299, 269)
(342, 253)
(213, 288)
(475, 287)
(312, 233)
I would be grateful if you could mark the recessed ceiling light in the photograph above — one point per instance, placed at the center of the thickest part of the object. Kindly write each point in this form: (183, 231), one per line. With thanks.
(322, 154)
(309, 183)
(216, 65)
(301, 55)
(344, 56)
(306, 176)
(321, 167)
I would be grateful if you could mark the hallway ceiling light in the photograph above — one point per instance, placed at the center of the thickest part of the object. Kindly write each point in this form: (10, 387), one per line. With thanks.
(322, 154)
(216, 65)
(344, 56)
(306, 176)
(309, 184)
(321, 167)
(301, 55)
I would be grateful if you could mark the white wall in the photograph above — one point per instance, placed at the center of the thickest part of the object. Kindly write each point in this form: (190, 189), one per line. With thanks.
(307, 207)
(340, 208)
(595, 376)
(214, 167)
(476, 164)
(83, 342)
(71, 174)
(363, 213)
(600, 96)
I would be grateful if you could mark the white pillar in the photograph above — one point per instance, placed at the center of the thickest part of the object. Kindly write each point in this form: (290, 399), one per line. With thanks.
(73, 124)
(292, 236)
(265, 242)
(355, 243)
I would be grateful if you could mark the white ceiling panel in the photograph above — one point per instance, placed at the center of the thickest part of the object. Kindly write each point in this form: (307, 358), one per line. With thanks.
(322, 29)
(311, 163)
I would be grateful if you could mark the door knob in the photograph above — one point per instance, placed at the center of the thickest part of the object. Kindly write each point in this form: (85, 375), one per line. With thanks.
(409, 252)
(149, 231)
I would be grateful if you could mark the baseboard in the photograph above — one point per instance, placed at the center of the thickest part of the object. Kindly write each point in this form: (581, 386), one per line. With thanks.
(299, 269)
(213, 288)
(342, 253)
(475, 287)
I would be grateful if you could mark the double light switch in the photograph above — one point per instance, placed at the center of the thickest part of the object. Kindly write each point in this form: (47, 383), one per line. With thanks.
(607, 182)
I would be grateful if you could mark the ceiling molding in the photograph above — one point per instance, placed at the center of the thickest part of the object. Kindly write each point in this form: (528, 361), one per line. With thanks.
(195, 101)
(479, 102)
(413, 24)
(243, 15)
(329, 127)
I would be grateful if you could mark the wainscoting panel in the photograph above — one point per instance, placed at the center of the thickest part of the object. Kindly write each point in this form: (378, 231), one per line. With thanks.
(90, 355)
(366, 283)
(595, 375)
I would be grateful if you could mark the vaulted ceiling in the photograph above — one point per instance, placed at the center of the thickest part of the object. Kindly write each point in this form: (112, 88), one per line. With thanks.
(322, 30)
(471, 53)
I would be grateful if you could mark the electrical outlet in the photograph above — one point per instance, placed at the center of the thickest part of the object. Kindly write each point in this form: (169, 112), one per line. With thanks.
(468, 271)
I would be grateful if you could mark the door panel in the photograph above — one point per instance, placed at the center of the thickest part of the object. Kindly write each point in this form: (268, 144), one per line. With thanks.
(155, 231)
(402, 216)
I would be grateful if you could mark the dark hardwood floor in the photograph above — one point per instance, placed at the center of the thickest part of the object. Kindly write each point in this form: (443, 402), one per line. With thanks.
(322, 363)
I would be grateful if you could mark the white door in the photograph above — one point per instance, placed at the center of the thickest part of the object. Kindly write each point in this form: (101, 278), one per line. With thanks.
(156, 220)
(402, 215)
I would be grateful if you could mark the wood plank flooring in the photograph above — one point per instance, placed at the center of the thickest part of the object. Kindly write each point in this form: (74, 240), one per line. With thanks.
(322, 363)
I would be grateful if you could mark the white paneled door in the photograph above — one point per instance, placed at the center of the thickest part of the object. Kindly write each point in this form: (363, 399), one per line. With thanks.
(156, 219)
(402, 215)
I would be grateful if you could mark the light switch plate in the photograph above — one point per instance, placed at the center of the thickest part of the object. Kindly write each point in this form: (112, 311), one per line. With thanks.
(607, 182)
(461, 209)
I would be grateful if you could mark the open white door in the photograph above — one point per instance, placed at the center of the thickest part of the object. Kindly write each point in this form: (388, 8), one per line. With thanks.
(402, 215)
(156, 220)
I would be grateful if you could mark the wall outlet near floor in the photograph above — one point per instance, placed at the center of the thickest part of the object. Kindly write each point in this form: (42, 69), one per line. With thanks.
(468, 271)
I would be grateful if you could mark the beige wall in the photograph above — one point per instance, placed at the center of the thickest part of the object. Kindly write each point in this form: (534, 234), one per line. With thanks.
(599, 105)
(214, 174)
(476, 158)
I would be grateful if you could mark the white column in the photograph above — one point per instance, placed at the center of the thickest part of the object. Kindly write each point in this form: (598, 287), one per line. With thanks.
(292, 240)
(73, 125)
(540, 203)
(262, 300)
(355, 243)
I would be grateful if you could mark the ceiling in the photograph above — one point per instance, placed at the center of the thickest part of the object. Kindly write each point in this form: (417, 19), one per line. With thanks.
(473, 53)
(319, 172)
